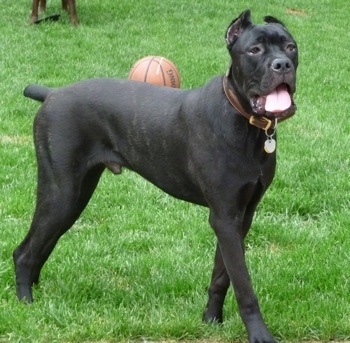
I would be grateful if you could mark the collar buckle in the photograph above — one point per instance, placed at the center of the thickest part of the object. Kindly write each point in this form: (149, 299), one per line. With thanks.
(253, 120)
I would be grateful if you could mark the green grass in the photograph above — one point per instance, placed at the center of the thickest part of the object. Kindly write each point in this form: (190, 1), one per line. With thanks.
(137, 263)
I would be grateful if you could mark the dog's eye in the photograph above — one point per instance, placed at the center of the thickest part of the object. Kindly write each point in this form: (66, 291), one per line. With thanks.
(254, 50)
(291, 47)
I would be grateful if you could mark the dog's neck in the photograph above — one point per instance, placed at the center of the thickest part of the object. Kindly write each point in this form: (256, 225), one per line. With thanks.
(259, 121)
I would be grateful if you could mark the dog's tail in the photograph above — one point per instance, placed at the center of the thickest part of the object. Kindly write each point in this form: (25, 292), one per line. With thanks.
(37, 92)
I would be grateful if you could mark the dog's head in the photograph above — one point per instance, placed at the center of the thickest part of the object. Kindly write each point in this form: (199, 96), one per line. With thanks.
(264, 59)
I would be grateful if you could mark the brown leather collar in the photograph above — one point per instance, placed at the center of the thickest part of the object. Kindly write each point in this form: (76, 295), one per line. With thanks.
(258, 121)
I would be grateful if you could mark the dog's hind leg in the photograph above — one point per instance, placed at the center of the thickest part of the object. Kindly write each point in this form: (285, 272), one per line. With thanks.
(61, 197)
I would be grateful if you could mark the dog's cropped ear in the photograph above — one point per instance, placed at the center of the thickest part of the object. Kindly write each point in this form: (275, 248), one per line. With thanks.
(237, 27)
(273, 20)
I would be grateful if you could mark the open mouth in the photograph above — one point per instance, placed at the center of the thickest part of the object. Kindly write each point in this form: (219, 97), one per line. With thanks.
(277, 103)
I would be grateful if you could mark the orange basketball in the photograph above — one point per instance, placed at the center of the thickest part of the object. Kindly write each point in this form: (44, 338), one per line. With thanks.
(156, 70)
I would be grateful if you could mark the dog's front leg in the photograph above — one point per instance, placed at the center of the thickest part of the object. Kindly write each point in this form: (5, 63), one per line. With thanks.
(231, 246)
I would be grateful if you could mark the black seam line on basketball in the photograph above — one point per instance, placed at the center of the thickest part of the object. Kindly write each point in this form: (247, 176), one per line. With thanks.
(148, 66)
(137, 64)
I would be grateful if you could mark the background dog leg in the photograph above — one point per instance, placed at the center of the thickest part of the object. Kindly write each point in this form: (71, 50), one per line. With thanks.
(69, 6)
(35, 8)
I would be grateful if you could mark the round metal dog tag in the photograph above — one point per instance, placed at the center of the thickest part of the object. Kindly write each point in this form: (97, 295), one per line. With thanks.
(270, 145)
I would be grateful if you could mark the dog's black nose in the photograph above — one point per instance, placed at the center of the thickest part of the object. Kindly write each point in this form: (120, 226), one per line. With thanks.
(281, 65)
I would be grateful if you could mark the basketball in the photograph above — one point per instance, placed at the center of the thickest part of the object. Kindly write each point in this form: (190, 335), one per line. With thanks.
(156, 70)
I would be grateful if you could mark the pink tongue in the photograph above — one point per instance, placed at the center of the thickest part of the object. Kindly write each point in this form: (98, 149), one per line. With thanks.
(279, 100)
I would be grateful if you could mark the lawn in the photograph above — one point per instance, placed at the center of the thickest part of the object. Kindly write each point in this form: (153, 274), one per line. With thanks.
(136, 265)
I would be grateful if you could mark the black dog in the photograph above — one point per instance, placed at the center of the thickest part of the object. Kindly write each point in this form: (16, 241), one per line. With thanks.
(213, 146)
